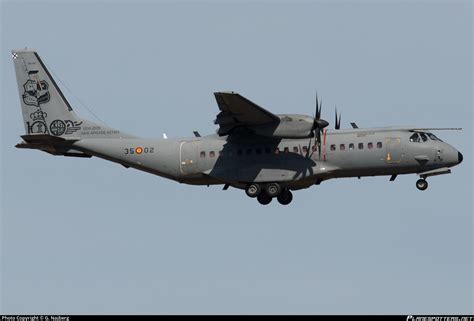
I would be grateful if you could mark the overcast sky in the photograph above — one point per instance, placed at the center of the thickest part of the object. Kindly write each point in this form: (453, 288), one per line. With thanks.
(89, 236)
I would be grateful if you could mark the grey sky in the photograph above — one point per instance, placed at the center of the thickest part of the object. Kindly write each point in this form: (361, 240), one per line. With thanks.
(89, 236)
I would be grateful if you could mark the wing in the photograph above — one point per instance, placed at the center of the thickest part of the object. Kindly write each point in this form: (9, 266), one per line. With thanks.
(239, 111)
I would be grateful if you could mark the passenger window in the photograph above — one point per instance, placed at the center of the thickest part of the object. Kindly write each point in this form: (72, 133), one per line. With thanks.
(287, 150)
(361, 145)
(333, 147)
(221, 153)
(276, 151)
(295, 149)
(379, 145)
(423, 137)
(370, 145)
(268, 150)
(415, 138)
(248, 151)
(314, 147)
(239, 152)
(203, 154)
(305, 149)
(342, 147)
(212, 154)
(351, 146)
(258, 150)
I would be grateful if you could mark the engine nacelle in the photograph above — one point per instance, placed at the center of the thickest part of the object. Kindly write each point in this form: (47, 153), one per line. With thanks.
(290, 126)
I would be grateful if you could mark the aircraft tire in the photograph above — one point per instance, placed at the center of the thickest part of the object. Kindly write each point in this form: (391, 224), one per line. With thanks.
(273, 189)
(421, 184)
(264, 199)
(285, 198)
(253, 190)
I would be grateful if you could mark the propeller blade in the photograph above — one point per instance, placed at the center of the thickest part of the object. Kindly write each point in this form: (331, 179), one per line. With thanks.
(318, 115)
(318, 137)
(307, 151)
(337, 124)
(317, 106)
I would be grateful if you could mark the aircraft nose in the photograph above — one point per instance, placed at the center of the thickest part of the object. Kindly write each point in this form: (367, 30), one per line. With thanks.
(460, 158)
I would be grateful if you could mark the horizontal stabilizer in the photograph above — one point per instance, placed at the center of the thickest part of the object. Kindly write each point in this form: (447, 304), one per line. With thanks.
(52, 145)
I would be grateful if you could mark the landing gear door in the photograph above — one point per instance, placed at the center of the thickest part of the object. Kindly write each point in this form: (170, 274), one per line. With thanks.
(188, 157)
(394, 152)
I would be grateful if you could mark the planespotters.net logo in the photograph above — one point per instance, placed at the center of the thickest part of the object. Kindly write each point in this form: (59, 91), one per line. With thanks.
(439, 318)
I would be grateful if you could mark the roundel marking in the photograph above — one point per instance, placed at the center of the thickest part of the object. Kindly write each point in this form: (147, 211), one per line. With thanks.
(138, 150)
(57, 127)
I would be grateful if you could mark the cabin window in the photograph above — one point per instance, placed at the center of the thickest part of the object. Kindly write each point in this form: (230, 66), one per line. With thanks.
(258, 150)
(370, 145)
(333, 147)
(268, 150)
(351, 146)
(221, 153)
(248, 151)
(295, 149)
(342, 147)
(202, 154)
(305, 149)
(276, 151)
(212, 154)
(287, 150)
(361, 145)
(314, 147)
(379, 145)
(239, 152)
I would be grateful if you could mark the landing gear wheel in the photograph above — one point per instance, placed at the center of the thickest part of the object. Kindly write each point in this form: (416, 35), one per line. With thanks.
(285, 198)
(253, 190)
(421, 184)
(264, 199)
(273, 189)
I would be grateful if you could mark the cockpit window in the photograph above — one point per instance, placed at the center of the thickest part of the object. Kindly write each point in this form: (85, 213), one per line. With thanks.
(433, 137)
(423, 137)
(415, 138)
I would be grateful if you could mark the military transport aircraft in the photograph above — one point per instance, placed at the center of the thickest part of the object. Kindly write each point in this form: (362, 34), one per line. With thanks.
(266, 155)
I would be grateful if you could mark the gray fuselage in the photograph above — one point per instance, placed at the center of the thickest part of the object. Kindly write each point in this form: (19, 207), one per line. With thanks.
(238, 161)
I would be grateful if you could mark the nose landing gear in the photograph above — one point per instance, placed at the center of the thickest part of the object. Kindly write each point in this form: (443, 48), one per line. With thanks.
(421, 184)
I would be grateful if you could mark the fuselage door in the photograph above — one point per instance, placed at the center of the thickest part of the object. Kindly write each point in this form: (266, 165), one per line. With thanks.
(188, 157)
(394, 152)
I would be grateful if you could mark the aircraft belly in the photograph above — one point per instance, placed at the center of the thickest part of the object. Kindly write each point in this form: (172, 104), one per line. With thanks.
(259, 175)
(155, 156)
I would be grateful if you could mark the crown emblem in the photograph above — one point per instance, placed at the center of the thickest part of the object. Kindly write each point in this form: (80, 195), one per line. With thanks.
(38, 115)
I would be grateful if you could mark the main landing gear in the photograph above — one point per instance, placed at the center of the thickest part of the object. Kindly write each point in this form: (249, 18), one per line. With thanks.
(265, 193)
(421, 184)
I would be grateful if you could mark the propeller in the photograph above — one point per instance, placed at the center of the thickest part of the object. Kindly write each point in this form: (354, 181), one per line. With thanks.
(337, 124)
(318, 127)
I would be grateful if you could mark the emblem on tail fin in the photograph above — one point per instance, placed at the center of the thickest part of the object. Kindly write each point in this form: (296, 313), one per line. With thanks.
(59, 127)
(36, 92)
(39, 123)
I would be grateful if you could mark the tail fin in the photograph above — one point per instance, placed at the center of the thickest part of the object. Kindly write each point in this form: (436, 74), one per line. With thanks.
(45, 109)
